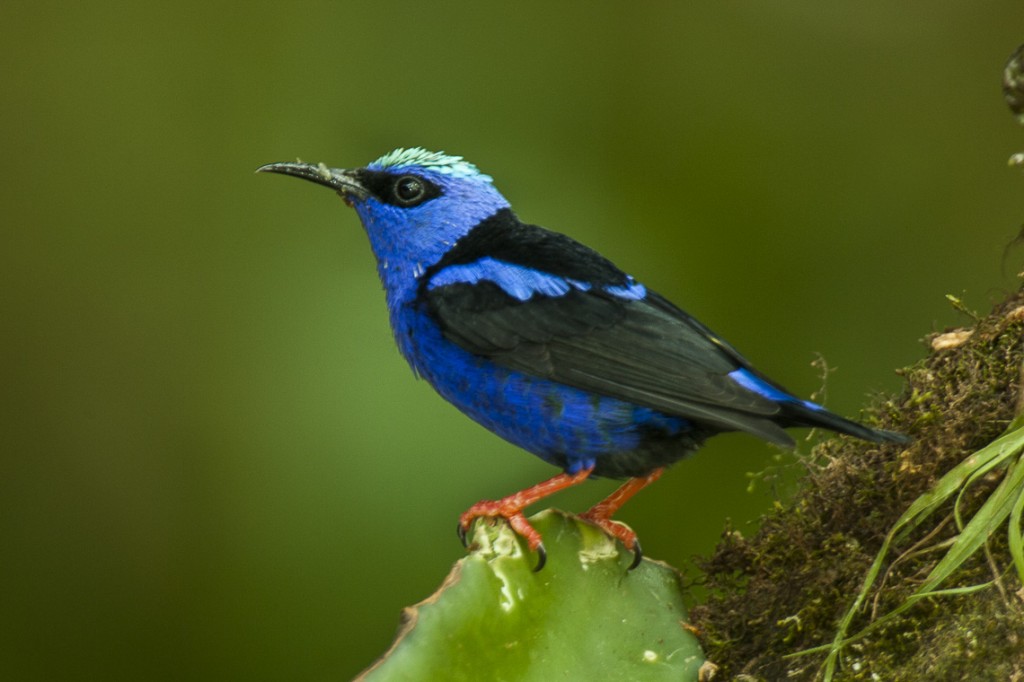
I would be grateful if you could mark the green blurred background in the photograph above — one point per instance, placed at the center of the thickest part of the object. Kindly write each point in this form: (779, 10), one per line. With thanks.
(216, 466)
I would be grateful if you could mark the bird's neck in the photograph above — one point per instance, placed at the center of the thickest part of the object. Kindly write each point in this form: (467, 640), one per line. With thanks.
(400, 280)
(406, 316)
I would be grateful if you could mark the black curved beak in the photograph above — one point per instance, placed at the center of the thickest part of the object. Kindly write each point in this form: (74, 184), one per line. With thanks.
(342, 181)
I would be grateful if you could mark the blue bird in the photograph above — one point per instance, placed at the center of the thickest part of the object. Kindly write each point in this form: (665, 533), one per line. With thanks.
(547, 343)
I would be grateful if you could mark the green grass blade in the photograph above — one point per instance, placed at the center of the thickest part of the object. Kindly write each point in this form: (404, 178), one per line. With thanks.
(1015, 541)
(985, 522)
(1004, 501)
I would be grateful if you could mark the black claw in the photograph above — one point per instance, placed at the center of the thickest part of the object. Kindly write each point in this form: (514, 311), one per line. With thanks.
(461, 532)
(542, 558)
(638, 555)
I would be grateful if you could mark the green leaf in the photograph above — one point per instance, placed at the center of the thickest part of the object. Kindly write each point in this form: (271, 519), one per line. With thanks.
(584, 616)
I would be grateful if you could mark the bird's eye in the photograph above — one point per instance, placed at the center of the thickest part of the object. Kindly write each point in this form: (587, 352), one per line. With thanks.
(409, 190)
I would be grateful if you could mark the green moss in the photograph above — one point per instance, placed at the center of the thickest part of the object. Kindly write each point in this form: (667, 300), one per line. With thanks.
(784, 589)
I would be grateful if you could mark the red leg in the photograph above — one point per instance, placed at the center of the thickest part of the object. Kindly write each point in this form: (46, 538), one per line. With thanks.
(601, 513)
(511, 509)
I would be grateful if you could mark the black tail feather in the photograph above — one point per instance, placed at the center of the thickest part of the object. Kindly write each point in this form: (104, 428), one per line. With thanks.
(801, 415)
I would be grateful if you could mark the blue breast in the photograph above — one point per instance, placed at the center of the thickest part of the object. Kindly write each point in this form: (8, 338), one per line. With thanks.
(563, 425)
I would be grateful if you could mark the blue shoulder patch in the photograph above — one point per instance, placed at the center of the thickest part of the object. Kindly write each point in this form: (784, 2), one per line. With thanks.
(517, 281)
(631, 290)
(747, 380)
(522, 282)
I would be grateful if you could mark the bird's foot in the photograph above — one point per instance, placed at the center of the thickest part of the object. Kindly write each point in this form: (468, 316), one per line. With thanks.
(617, 530)
(511, 509)
(601, 514)
(499, 509)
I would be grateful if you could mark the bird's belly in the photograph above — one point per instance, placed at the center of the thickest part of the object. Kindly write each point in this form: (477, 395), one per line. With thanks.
(566, 426)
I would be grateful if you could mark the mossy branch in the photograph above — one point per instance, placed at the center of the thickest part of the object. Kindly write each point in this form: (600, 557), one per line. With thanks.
(894, 563)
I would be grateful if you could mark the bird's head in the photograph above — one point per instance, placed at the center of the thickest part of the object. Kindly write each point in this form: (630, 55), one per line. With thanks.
(414, 205)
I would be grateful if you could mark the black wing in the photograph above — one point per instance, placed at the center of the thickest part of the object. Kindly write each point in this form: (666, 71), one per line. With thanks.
(642, 350)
